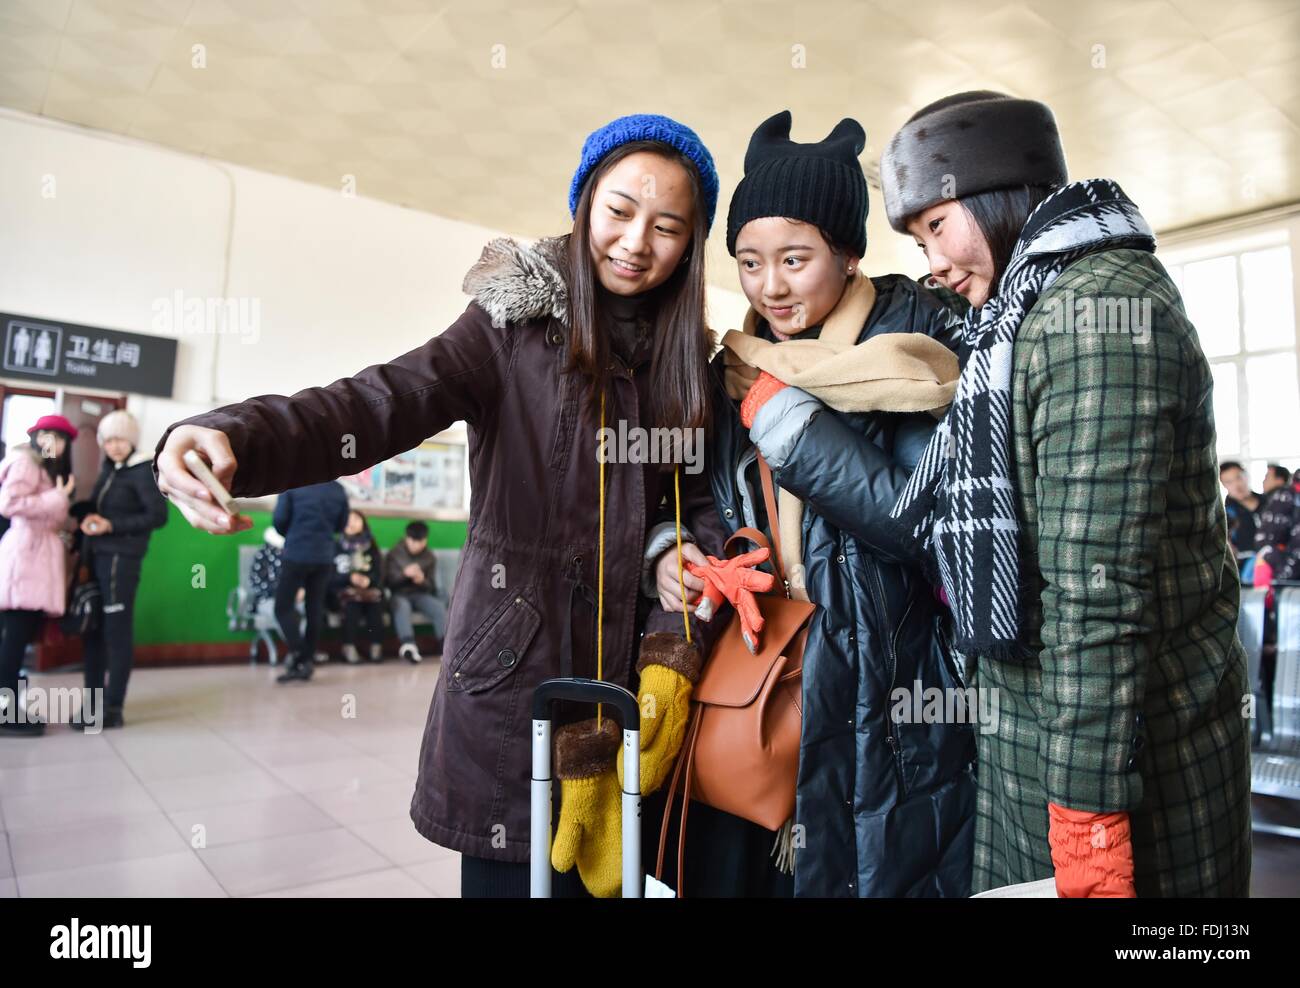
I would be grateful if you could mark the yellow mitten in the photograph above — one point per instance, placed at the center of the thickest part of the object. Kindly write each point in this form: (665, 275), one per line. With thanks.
(591, 819)
(669, 667)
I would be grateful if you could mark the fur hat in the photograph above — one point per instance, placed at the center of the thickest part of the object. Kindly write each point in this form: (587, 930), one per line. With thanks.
(967, 143)
(119, 424)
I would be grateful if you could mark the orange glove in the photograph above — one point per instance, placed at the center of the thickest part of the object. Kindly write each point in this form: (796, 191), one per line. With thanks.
(734, 580)
(1092, 853)
(761, 390)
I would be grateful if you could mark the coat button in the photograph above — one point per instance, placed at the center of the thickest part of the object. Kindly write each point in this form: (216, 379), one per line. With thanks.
(557, 339)
(840, 558)
(507, 658)
(728, 512)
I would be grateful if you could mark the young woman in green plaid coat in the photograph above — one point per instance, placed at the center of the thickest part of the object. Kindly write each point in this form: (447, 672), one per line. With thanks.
(1070, 504)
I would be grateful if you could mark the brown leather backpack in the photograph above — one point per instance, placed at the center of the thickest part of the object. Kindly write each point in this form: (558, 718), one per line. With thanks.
(741, 750)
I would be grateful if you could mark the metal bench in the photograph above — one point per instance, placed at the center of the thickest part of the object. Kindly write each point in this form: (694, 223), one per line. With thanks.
(244, 615)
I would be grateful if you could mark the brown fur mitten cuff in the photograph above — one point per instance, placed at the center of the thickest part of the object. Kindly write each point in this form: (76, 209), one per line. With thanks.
(583, 751)
(663, 648)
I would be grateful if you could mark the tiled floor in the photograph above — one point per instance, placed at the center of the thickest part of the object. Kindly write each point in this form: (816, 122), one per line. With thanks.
(225, 784)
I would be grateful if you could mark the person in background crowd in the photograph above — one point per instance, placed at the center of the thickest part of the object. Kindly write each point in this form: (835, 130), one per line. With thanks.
(1275, 478)
(409, 573)
(264, 575)
(357, 588)
(1242, 506)
(4, 522)
(1276, 519)
(123, 509)
(1277, 534)
(36, 484)
(1277, 557)
(308, 518)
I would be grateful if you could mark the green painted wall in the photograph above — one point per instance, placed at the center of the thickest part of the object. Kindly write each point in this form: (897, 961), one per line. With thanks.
(171, 609)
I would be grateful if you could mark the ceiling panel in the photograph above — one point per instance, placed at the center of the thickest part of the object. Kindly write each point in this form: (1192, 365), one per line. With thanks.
(476, 110)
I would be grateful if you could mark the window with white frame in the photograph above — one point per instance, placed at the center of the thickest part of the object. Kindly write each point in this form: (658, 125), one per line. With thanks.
(1239, 296)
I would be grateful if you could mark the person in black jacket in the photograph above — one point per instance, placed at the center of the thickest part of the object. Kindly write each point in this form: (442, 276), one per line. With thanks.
(124, 507)
(885, 801)
(1244, 508)
(308, 518)
(357, 587)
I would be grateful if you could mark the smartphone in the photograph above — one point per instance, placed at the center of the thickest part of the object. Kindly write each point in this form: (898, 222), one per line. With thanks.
(199, 467)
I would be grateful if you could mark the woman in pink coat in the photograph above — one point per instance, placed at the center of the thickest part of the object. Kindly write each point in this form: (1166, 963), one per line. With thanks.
(36, 487)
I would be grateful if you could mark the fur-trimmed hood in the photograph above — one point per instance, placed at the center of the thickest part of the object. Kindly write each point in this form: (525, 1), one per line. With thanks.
(515, 283)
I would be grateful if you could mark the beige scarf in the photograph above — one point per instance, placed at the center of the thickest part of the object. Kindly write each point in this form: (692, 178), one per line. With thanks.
(891, 372)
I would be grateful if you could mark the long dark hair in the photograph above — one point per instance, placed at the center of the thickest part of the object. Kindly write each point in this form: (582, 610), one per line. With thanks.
(679, 362)
(1000, 214)
(58, 467)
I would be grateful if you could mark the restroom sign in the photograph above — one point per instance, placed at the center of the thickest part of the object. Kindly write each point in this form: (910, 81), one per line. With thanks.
(69, 353)
(32, 347)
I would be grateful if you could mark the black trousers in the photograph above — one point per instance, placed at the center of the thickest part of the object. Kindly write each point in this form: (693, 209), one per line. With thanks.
(19, 629)
(110, 649)
(355, 613)
(314, 578)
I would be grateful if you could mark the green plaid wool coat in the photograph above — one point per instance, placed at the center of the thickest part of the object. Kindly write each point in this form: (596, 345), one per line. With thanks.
(1134, 701)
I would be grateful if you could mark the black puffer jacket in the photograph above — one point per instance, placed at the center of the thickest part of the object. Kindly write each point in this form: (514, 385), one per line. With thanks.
(886, 809)
(127, 496)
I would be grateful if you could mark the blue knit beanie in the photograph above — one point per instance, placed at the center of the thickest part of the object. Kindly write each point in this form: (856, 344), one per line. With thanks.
(648, 127)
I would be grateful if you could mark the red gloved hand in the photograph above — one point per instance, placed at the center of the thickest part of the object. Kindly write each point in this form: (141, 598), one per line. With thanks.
(1092, 853)
(758, 393)
(1263, 575)
(734, 580)
(1262, 578)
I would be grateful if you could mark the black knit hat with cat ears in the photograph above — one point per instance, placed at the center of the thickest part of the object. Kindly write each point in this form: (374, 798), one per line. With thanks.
(822, 184)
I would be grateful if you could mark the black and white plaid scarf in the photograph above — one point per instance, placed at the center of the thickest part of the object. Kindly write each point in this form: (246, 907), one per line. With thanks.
(960, 503)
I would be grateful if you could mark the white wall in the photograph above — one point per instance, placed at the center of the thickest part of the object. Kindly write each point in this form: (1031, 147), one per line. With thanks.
(340, 282)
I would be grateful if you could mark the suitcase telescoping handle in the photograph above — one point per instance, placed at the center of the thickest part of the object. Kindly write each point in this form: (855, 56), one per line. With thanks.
(618, 700)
